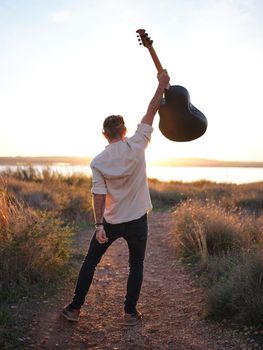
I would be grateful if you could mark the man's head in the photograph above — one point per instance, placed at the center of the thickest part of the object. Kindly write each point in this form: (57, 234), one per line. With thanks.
(114, 127)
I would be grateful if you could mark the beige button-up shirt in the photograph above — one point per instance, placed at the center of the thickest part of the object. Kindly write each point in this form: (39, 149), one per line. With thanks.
(120, 173)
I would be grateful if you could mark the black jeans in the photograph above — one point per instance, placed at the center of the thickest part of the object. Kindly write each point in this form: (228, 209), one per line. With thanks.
(135, 234)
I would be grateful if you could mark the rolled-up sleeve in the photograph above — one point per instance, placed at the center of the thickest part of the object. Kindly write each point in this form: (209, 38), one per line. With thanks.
(142, 136)
(98, 182)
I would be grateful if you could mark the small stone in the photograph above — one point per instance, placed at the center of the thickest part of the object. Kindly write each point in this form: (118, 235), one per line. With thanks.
(152, 330)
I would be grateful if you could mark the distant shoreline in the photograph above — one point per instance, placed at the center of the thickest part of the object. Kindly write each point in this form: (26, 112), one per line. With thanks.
(209, 163)
(53, 160)
(85, 161)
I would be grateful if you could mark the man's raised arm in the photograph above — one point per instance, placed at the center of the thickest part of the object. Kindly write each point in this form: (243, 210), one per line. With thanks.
(163, 79)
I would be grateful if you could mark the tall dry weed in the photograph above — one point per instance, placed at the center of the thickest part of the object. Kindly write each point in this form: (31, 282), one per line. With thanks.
(203, 229)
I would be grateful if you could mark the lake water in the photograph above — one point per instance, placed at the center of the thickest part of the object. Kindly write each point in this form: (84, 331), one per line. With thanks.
(186, 174)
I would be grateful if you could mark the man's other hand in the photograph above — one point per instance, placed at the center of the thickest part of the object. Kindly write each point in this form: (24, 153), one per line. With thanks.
(101, 236)
(163, 78)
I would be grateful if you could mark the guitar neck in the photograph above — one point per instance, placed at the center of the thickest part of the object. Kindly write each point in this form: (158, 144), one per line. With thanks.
(155, 59)
(147, 42)
(157, 62)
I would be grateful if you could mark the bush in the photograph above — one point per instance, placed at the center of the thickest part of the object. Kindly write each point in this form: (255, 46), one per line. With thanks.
(235, 287)
(66, 197)
(227, 247)
(77, 209)
(39, 200)
(162, 199)
(251, 204)
(203, 229)
(250, 197)
(34, 245)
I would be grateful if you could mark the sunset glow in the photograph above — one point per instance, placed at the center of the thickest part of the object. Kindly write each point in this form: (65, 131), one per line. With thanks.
(67, 65)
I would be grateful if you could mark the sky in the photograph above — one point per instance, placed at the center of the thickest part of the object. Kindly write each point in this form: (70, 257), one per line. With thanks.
(65, 65)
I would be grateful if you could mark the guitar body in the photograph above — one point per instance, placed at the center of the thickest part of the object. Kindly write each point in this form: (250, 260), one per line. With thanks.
(179, 119)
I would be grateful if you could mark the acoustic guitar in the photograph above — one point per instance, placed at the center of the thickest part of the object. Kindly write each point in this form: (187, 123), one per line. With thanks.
(179, 119)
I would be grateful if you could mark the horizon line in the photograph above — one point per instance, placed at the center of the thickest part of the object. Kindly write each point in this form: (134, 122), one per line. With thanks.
(89, 156)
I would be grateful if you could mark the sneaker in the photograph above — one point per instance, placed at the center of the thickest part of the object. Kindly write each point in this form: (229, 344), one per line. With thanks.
(71, 314)
(132, 319)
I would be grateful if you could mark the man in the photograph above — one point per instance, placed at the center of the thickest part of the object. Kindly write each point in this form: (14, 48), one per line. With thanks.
(121, 202)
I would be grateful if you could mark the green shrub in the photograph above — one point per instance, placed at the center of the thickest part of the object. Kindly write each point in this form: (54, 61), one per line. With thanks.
(235, 287)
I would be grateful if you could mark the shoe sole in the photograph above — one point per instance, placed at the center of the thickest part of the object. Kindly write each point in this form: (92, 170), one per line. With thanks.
(69, 318)
(132, 323)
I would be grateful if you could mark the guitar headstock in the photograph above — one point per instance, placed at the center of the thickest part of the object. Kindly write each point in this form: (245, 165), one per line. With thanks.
(143, 38)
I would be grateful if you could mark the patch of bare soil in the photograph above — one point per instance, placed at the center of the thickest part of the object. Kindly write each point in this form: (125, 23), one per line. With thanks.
(171, 303)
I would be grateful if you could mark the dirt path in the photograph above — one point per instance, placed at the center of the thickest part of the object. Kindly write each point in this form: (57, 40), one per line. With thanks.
(170, 302)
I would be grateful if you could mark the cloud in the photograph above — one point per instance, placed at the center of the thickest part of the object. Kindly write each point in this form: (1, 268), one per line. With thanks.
(60, 16)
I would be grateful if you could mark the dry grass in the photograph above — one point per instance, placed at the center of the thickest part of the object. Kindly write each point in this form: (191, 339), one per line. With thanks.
(66, 197)
(204, 229)
(218, 226)
(230, 196)
(227, 249)
(36, 209)
(33, 245)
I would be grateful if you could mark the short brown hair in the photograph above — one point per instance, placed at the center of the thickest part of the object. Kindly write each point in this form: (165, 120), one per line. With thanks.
(114, 126)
